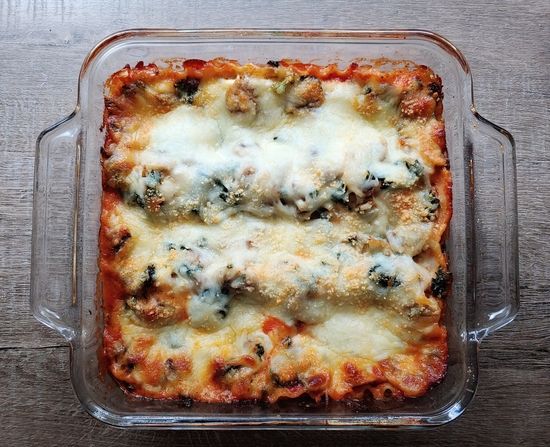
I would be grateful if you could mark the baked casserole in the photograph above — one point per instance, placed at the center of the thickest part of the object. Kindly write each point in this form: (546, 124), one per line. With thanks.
(274, 230)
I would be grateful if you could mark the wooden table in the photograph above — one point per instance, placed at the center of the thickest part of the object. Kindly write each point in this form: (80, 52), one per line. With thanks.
(42, 45)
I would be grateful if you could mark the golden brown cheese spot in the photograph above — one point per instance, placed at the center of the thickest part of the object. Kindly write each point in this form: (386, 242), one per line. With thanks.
(158, 308)
(417, 106)
(425, 311)
(430, 135)
(120, 238)
(354, 375)
(402, 371)
(240, 97)
(377, 102)
(368, 104)
(373, 245)
(145, 99)
(176, 367)
(306, 92)
(242, 377)
(150, 309)
(420, 100)
(406, 206)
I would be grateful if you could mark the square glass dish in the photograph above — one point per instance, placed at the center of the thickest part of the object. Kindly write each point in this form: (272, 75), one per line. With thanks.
(481, 243)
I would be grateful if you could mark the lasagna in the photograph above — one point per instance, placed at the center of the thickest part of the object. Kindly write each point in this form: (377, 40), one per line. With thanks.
(274, 230)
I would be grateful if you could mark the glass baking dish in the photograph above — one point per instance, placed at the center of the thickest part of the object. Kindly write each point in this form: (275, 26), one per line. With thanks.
(482, 239)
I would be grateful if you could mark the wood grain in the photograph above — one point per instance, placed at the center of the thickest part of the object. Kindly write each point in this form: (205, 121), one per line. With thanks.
(42, 46)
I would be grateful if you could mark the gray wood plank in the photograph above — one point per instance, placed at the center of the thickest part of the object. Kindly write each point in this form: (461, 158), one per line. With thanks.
(42, 46)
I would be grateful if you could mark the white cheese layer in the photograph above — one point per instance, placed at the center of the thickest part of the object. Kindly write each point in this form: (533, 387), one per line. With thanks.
(215, 163)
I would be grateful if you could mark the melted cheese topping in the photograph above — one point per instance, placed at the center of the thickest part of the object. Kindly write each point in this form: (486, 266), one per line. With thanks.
(216, 164)
(268, 240)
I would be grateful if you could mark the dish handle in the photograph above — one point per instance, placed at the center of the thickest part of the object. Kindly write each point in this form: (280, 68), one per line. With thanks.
(495, 226)
(53, 294)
